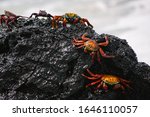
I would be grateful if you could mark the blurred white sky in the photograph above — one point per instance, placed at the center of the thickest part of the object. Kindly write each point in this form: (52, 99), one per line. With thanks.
(127, 19)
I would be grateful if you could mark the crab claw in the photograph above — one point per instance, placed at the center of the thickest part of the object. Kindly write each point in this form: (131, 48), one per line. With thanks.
(105, 87)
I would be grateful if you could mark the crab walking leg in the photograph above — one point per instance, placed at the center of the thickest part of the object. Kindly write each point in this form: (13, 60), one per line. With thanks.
(82, 22)
(105, 87)
(95, 75)
(126, 85)
(0, 22)
(104, 54)
(55, 21)
(80, 46)
(78, 43)
(93, 83)
(85, 38)
(90, 78)
(123, 80)
(8, 13)
(93, 56)
(98, 57)
(90, 72)
(99, 86)
(8, 23)
(64, 22)
(85, 50)
(104, 43)
(43, 15)
(118, 86)
(14, 21)
(75, 21)
(85, 20)
(49, 15)
(2, 19)
(76, 40)
(36, 15)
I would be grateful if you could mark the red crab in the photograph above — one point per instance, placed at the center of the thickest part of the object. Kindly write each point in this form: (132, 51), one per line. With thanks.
(104, 80)
(9, 17)
(92, 46)
(41, 13)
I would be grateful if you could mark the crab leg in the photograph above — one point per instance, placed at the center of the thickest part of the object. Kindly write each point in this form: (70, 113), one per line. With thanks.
(7, 21)
(76, 40)
(54, 24)
(85, 51)
(101, 83)
(36, 15)
(104, 43)
(85, 38)
(90, 78)
(49, 15)
(122, 87)
(85, 20)
(77, 43)
(0, 22)
(104, 54)
(2, 19)
(118, 86)
(126, 85)
(97, 76)
(64, 22)
(76, 20)
(94, 75)
(8, 13)
(80, 46)
(90, 72)
(98, 57)
(105, 87)
(123, 80)
(55, 21)
(93, 83)
(93, 56)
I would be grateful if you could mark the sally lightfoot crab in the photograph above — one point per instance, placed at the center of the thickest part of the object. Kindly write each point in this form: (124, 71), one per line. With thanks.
(41, 13)
(104, 81)
(71, 18)
(9, 17)
(92, 46)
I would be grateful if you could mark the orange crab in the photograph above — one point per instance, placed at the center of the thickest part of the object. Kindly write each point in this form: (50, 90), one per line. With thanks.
(92, 46)
(107, 80)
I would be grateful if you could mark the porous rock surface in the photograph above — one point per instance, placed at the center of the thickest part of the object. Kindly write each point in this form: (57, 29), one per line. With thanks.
(38, 62)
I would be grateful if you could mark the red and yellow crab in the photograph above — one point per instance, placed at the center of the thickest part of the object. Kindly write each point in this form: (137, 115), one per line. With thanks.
(71, 18)
(92, 46)
(104, 80)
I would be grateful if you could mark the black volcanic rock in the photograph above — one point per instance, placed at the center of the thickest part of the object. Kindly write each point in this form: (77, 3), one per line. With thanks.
(38, 62)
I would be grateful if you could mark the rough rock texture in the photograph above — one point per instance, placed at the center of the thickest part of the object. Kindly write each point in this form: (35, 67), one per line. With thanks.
(38, 62)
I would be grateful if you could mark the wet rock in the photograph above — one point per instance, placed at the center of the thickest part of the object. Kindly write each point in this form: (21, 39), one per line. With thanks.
(38, 62)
